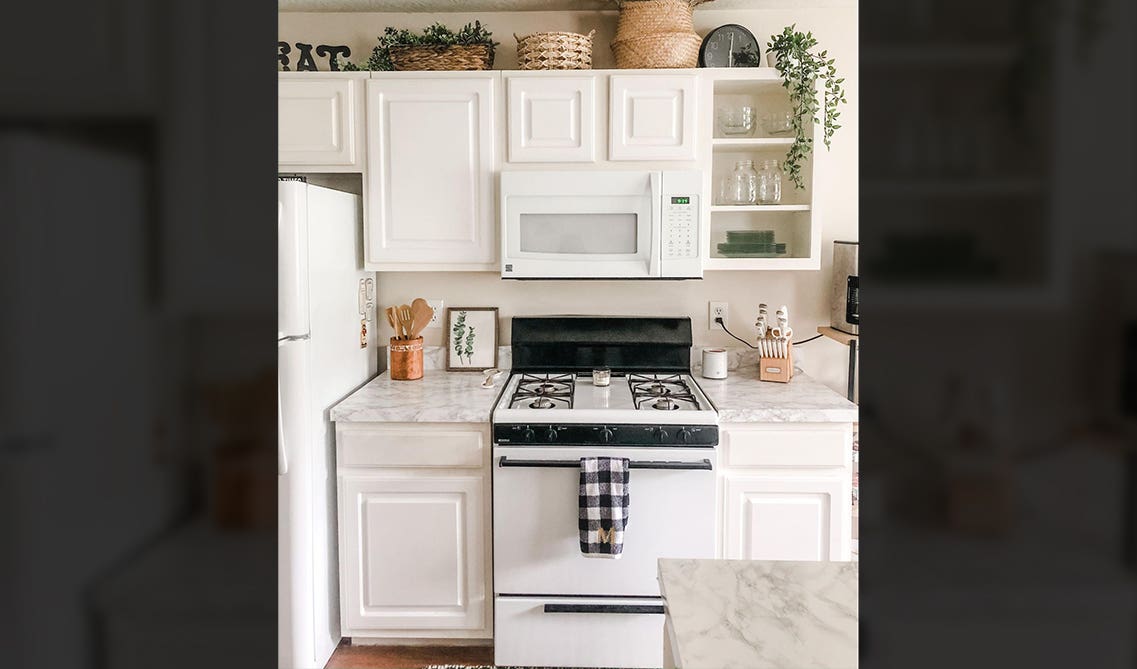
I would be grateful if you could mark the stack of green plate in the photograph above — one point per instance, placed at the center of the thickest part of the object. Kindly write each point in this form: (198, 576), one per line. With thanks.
(751, 244)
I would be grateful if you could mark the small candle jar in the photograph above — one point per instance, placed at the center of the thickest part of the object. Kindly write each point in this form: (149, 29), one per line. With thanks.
(601, 377)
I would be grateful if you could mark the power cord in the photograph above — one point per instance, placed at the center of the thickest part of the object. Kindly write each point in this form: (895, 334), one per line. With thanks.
(718, 319)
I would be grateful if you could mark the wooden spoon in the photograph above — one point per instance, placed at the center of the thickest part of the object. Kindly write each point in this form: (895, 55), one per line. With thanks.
(421, 313)
(391, 319)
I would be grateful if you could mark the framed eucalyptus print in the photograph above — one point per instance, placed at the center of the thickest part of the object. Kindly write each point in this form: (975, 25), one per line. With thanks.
(471, 338)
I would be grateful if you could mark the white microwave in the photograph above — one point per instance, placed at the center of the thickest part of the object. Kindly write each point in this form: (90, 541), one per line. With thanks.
(601, 225)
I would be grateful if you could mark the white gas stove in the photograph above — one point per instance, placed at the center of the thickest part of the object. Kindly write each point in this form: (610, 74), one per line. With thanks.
(634, 409)
(553, 606)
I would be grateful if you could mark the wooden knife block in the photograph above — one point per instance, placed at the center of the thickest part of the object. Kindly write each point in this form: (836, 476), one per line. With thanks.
(780, 370)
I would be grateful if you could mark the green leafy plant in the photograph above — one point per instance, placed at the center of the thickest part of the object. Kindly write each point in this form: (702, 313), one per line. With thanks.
(458, 334)
(433, 35)
(801, 67)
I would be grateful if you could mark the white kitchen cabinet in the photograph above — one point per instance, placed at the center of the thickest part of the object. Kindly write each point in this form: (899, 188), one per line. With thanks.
(414, 547)
(786, 491)
(777, 517)
(652, 117)
(320, 121)
(551, 118)
(430, 172)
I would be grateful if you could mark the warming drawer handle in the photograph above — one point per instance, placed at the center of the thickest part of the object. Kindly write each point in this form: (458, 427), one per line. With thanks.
(604, 608)
(703, 464)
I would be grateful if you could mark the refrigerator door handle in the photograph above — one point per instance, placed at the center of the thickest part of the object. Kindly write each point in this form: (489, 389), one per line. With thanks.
(281, 451)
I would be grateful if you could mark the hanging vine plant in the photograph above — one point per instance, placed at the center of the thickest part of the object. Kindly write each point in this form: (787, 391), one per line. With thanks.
(801, 67)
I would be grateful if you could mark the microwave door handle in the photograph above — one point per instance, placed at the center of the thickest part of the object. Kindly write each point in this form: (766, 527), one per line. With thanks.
(656, 231)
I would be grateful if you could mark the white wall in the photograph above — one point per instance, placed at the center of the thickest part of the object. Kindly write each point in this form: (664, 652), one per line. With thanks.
(805, 293)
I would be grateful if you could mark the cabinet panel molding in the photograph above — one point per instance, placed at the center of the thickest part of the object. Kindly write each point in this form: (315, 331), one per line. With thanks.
(430, 158)
(551, 119)
(413, 552)
(652, 117)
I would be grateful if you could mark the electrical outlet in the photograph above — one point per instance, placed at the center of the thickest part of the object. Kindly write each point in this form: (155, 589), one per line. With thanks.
(717, 310)
(436, 319)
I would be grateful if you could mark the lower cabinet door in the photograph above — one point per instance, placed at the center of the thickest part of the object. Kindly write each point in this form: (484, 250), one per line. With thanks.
(578, 632)
(413, 552)
(778, 518)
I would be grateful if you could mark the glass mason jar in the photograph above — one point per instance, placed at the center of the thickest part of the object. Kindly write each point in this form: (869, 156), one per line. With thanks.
(741, 185)
(769, 186)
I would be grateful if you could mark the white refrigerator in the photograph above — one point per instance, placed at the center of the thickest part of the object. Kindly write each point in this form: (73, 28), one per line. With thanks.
(325, 300)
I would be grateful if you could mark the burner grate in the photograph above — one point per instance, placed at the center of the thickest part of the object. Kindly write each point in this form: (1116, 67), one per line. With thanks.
(543, 391)
(661, 392)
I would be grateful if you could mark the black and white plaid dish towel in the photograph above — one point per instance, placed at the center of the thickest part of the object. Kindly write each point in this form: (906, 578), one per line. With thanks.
(603, 506)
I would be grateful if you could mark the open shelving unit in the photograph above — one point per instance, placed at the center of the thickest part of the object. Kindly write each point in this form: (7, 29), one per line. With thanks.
(795, 219)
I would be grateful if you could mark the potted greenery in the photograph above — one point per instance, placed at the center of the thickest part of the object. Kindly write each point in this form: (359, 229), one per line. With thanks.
(436, 48)
(792, 53)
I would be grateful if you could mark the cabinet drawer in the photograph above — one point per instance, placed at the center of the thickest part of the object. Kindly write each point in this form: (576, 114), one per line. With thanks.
(428, 446)
(577, 632)
(787, 448)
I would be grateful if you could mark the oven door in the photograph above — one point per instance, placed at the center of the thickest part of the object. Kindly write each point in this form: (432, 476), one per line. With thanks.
(536, 542)
(580, 225)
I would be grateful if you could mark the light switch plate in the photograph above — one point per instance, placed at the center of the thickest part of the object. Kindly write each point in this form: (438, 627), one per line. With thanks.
(436, 319)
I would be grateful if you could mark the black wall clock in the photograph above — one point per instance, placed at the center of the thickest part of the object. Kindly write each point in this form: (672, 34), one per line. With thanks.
(731, 45)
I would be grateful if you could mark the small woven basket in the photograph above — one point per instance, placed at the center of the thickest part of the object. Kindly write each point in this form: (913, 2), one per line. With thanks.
(442, 57)
(656, 34)
(555, 51)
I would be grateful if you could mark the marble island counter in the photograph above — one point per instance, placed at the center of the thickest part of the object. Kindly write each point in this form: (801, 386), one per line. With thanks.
(759, 614)
(458, 397)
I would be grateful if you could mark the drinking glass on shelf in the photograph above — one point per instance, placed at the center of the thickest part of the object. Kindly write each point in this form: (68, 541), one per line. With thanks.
(769, 183)
(778, 123)
(736, 120)
(740, 187)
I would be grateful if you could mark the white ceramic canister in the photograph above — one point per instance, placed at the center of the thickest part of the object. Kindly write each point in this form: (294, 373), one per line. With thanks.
(714, 363)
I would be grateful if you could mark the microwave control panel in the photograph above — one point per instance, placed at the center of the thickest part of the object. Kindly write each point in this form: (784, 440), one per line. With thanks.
(681, 226)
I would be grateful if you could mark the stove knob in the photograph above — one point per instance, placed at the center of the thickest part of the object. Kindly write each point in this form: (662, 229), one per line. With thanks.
(529, 434)
(684, 435)
(551, 435)
(606, 435)
(661, 435)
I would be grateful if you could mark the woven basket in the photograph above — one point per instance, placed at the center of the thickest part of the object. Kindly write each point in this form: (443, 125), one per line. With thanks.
(442, 57)
(555, 51)
(656, 34)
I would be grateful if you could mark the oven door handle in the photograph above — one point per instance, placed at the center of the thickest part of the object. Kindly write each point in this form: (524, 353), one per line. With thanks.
(703, 465)
(604, 608)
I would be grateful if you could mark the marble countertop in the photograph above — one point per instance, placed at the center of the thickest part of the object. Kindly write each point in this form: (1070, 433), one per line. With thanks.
(742, 398)
(438, 397)
(761, 614)
(458, 397)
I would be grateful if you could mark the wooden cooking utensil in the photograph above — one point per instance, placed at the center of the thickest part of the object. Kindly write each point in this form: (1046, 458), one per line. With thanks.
(405, 320)
(421, 313)
(391, 319)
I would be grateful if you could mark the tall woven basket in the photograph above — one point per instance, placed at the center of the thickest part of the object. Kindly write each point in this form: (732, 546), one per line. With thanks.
(656, 33)
(442, 57)
(555, 51)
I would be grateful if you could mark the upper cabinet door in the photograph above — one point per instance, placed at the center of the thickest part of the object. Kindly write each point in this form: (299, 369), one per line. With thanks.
(552, 119)
(430, 167)
(652, 117)
(320, 122)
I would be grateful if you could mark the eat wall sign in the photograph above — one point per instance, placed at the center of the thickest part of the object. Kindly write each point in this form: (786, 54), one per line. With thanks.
(303, 54)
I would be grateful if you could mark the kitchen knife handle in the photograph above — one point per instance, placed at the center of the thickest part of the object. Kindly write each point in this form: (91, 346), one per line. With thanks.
(704, 465)
(604, 608)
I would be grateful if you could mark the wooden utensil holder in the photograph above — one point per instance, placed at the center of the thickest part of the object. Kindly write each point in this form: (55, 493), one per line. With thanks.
(780, 370)
(406, 359)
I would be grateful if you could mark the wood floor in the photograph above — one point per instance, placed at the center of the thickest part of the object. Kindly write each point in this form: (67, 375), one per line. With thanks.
(407, 657)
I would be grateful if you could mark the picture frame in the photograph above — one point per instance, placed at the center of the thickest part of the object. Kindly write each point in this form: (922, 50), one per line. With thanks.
(471, 338)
